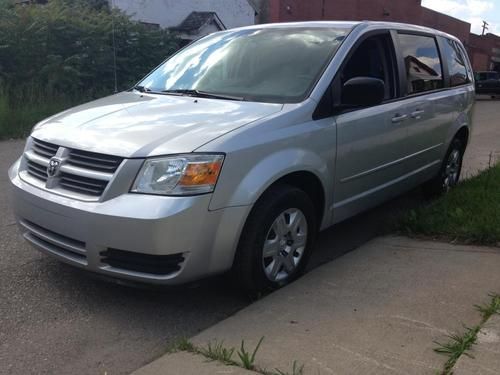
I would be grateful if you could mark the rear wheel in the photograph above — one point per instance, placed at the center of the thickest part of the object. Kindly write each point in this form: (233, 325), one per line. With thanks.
(276, 241)
(449, 174)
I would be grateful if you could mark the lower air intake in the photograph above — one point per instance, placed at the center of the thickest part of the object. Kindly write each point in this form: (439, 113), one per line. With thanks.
(145, 263)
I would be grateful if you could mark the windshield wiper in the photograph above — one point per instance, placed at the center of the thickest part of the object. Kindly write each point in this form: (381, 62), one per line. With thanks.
(202, 94)
(142, 88)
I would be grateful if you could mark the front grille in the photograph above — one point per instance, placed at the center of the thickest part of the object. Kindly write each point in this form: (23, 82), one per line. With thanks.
(94, 161)
(145, 263)
(82, 174)
(44, 149)
(82, 185)
(54, 243)
(37, 170)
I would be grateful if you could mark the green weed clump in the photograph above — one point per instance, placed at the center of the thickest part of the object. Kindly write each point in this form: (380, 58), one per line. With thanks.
(468, 213)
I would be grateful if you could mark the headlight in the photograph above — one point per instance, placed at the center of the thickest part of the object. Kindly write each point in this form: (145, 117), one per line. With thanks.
(179, 175)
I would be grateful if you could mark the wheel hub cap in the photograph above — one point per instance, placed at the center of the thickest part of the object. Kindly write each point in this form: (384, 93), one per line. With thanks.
(284, 244)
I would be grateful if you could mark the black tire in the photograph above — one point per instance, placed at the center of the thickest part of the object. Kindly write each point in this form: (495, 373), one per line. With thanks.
(443, 182)
(249, 264)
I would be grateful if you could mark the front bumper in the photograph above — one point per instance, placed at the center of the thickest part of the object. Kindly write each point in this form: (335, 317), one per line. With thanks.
(173, 231)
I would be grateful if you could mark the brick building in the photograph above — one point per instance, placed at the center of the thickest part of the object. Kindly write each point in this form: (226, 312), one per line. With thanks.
(484, 51)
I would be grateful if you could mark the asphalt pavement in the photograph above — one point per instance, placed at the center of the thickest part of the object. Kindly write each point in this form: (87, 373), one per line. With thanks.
(58, 320)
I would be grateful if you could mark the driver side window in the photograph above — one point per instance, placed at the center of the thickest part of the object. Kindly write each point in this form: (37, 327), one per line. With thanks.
(373, 58)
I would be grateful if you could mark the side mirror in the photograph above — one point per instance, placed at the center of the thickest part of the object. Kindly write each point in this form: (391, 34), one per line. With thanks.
(363, 92)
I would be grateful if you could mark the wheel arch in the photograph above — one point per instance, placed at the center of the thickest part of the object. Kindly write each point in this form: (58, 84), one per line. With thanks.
(309, 183)
(463, 133)
(302, 168)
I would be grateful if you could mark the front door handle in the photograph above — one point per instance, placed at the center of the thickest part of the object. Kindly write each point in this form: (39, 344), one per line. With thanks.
(416, 114)
(399, 118)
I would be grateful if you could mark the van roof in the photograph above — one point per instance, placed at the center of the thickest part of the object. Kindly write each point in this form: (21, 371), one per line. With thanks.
(350, 25)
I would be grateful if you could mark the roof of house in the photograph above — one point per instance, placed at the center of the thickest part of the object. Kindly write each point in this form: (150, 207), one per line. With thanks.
(195, 20)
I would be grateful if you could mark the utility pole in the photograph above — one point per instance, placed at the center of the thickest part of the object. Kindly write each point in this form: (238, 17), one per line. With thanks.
(114, 43)
(485, 27)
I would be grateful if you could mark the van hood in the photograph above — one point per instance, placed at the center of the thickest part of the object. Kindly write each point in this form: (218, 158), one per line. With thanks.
(131, 124)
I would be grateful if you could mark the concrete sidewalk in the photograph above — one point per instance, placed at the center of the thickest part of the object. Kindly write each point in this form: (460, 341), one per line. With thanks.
(376, 310)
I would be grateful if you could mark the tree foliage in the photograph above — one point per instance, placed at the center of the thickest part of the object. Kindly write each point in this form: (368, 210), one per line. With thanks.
(65, 47)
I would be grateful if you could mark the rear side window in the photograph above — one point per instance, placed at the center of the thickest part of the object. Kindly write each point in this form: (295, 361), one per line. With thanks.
(456, 63)
(422, 63)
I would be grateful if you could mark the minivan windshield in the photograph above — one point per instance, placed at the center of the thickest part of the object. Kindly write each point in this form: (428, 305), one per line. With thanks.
(278, 65)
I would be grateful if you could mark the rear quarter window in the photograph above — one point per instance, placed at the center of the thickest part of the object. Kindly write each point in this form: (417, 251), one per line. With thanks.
(455, 61)
(422, 63)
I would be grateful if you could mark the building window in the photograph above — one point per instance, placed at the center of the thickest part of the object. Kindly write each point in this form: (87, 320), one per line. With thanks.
(422, 61)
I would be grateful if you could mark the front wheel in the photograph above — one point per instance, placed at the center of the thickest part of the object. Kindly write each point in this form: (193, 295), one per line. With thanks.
(276, 241)
(449, 174)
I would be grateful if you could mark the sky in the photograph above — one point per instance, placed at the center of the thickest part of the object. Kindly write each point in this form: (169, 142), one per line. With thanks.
(472, 11)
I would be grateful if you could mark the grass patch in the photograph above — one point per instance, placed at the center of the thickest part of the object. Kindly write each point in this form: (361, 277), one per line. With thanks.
(216, 351)
(468, 213)
(459, 344)
(488, 310)
(182, 345)
(247, 359)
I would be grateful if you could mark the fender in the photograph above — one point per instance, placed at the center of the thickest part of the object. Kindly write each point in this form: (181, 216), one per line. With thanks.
(246, 191)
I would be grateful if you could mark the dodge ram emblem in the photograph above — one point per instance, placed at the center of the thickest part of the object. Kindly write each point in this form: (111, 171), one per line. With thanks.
(53, 167)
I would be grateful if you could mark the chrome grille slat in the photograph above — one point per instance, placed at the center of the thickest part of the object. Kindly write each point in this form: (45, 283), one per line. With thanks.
(44, 148)
(42, 152)
(31, 156)
(85, 185)
(83, 172)
(37, 167)
(37, 171)
(78, 171)
(96, 157)
(80, 163)
(94, 161)
(94, 183)
(37, 175)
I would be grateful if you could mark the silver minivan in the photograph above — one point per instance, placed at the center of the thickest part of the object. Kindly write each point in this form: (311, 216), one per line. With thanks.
(238, 149)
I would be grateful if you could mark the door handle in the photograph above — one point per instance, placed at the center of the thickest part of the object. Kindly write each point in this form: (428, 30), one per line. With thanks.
(399, 118)
(416, 114)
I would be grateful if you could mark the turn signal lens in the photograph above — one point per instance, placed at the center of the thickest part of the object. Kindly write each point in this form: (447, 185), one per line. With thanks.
(201, 174)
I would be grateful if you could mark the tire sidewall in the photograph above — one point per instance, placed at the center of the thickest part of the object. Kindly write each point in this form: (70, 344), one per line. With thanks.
(284, 198)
